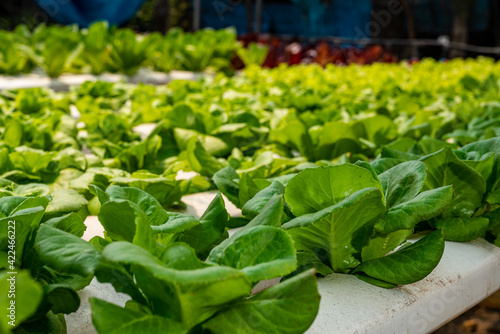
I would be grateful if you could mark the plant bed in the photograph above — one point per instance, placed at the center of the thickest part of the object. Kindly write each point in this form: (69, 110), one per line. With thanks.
(57, 50)
(65, 81)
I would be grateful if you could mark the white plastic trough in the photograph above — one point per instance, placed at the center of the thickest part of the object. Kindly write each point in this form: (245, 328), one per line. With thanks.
(65, 81)
(467, 274)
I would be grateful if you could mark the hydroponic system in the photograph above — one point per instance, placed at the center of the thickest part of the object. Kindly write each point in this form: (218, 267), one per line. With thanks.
(311, 198)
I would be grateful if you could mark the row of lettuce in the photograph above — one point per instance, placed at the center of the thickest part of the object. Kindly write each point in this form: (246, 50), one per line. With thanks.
(265, 123)
(57, 50)
(335, 171)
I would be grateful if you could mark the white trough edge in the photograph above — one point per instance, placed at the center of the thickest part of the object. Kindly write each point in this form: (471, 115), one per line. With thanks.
(467, 274)
(65, 81)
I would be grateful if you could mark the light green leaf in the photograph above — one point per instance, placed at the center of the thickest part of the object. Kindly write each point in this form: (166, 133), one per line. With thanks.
(153, 210)
(271, 214)
(335, 139)
(124, 220)
(317, 188)
(64, 201)
(166, 191)
(340, 231)
(182, 257)
(262, 252)
(293, 132)
(187, 296)
(71, 223)
(200, 160)
(28, 295)
(382, 244)
(24, 215)
(176, 223)
(248, 189)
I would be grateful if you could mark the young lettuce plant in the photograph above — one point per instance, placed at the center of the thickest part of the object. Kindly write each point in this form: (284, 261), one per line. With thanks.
(332, 139)
(472, 170)
(267, 173)
(255, 54)
(489, 166)
(164, 57)
(97, 47)
(348, 219)
(26, 165)
(129, 52)
(54, 49)
(156, 257)
(167, 191)
(196, 51)
(43, 293)
(12, 60)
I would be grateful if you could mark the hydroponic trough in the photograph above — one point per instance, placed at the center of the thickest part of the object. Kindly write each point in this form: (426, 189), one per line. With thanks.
(467, 274)
(65, 81)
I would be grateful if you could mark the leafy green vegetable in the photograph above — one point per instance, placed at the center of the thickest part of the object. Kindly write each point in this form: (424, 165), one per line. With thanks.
(289, 307)
(316, 189)
(255, 54)
(339, 231)
(109, 318)
(269, 253)
(187, 296)
(444, 168)
(28, 295)
(78, 257)
(405, 266)
(129, 52)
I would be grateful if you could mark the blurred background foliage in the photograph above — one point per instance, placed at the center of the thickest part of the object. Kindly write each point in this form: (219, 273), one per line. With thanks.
(153, 15)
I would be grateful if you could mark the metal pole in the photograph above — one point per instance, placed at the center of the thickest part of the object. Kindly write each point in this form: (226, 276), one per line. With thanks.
(196, 14)
(258, 17)
(411, 27)
(250, 22)
(162, 16)
(496, 24)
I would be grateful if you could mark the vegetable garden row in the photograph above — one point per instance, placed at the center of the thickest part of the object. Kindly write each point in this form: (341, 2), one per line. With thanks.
(55, 50)
(334, 171)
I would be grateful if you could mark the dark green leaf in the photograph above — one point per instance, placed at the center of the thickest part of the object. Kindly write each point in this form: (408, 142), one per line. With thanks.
(109, 318)
(462, 229)
(289, 307)
(406, 266)
(66, 252)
